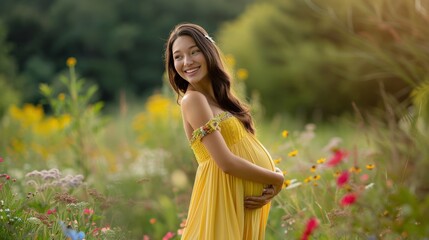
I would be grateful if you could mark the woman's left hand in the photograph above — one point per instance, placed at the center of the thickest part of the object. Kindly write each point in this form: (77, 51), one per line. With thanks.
(255, 202)
(268, 193)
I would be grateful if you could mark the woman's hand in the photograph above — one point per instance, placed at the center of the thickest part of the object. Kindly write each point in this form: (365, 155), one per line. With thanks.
(268, 193)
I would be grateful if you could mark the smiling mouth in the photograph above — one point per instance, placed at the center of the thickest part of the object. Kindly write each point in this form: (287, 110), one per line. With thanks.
(191, 70)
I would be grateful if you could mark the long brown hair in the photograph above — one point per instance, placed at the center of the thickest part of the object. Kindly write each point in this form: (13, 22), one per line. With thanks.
(220, 80)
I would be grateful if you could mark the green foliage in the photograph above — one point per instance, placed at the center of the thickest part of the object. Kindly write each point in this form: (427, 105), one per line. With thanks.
(50, 205)
(8, 92)
(314, 58)
(119, 43)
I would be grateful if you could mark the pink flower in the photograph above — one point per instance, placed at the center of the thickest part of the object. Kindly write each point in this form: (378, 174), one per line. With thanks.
(311, 226)
(343, 178)
(88, 211)
(337, 158)
(168, 236)
(1, 159)
(51, 211)
(348, 199)
(364, 177)
(146, 237)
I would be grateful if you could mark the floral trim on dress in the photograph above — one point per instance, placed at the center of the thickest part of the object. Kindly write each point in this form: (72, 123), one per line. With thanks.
(211, 126)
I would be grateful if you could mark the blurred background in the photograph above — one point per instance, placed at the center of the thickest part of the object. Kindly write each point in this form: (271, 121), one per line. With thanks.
(83, 89)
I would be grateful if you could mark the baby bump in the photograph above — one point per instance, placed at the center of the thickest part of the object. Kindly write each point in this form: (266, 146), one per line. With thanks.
(252, 150)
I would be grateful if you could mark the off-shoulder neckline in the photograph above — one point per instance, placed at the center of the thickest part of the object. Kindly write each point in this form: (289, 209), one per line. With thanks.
(219, 117)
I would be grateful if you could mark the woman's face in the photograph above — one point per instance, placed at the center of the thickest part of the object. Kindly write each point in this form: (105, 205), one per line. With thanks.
(189, 60)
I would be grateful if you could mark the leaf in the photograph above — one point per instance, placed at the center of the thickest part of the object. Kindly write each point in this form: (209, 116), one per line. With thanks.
(45, 89)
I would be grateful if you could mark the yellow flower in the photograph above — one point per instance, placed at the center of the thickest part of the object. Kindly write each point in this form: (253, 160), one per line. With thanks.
(313, 168)
(370, 166)
(321, 160)
(230, 60)
(316, 177)
(337, 174)
(277, 161)
(307, 180)
(284, 172)
(315, 184)
(286, 183)
(293, 153)
(355, 169)
(285, 133)
(61, 97)
(71, 62)
(242, 74)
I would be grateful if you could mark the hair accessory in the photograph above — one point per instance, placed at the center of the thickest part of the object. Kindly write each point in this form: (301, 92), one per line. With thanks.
(209, 38)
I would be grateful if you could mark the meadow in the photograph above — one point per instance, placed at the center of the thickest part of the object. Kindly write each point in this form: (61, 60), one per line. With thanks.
(70, 168)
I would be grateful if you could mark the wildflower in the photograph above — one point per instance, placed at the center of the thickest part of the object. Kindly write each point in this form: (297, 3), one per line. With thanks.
(309, 228)
(293, 184)
(370, 166)
(337, 158)
(313, 168)
(277, 161)
(316, 177)
(230, 60)
(51, 211)
(71, 62)
(285, 134)
(369, 186)
(88, 211)
(284, 172)
(343, 179)
(333, 144)
(61, 96)
(286, 183)
(242, 74)
(321, 160)
(70, 233)
(364, 177)
(348, 199)
(293, 153)
(355, 169)
(337, 174)
(1, 159)
(34, 220)
(308, 179)
(152, 220)
(168, 235)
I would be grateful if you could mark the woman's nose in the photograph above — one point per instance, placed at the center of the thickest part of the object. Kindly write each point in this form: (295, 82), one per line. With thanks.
(188, 60)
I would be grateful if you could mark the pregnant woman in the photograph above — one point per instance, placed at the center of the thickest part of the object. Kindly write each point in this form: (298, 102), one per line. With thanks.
(236, 176)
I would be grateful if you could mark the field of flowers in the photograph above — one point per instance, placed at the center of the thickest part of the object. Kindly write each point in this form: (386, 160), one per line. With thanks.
(67, 169)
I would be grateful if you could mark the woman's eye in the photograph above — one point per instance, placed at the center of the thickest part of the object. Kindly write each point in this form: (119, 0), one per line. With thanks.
(195, 52)
(177, 57)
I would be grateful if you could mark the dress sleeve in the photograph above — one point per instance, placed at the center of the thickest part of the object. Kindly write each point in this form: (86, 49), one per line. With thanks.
(211, 126)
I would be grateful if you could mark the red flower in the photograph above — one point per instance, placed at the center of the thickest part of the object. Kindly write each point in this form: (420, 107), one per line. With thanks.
(343, 178)
(1, 159)
(337, 158)
(348, 199)
(51, 211)
(311, 226)
(168, 236)
(88, 211)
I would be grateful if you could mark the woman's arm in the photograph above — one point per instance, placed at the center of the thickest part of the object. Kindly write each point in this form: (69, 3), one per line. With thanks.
(197, 113)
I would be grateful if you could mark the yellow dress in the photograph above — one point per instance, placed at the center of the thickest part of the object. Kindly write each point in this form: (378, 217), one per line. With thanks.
(216, 210)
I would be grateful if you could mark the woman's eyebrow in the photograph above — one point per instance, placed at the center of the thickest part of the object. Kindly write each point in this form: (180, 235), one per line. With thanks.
(188, 49)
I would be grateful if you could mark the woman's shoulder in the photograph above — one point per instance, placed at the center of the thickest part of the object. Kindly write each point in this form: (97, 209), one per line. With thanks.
(194, 100)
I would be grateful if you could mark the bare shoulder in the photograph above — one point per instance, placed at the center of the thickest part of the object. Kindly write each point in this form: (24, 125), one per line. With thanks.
(195, 109)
